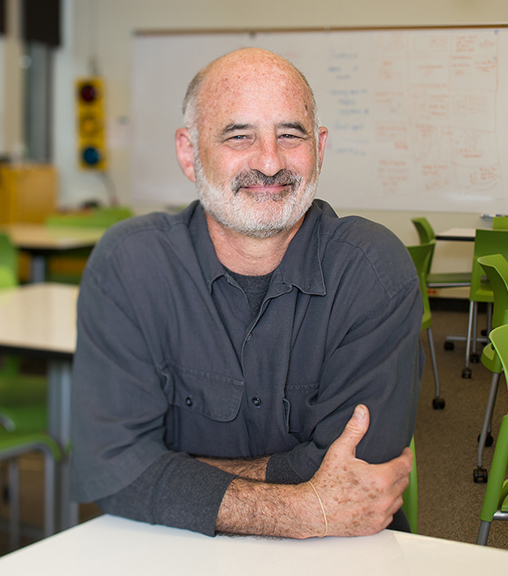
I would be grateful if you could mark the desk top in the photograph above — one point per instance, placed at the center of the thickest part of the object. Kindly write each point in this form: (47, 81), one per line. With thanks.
(114, 546)
(42, 237)
(39, 317)
(458, 234)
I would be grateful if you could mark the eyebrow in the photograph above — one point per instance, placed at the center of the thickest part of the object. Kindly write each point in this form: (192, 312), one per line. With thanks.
(294, 126)
(288, 125)
(234, 127)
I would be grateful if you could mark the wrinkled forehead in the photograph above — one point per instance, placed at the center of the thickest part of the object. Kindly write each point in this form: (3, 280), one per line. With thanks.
(252, 84)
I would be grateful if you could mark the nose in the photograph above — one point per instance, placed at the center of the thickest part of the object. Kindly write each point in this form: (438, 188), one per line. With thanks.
(268, 157)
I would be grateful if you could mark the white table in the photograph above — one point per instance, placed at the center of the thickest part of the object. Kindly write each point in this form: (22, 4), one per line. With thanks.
(110, 546)
(457, 234)
(42, 241)
(40, 320)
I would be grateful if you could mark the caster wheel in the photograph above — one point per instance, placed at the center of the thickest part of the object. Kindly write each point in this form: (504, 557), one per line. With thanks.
(438, 403)
(475, 358)
(466, 373)
(480, 475)
(449, 346)
(489, 440)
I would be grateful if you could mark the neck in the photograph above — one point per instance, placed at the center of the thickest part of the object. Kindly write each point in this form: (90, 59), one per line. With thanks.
(247, 255)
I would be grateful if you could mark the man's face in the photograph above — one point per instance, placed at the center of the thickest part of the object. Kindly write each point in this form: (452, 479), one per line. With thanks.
(257, 160)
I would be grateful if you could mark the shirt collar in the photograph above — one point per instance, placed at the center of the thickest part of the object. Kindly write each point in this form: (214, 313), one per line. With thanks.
(300, 266)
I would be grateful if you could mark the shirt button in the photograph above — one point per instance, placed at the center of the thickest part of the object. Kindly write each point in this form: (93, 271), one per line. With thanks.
(188, 401)
(256, 401)
(249, 337)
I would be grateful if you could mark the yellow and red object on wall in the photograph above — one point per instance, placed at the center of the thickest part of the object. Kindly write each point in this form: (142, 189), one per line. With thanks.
(91, 129)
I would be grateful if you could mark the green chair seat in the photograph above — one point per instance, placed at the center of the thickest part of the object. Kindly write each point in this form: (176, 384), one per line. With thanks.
(24, 419)
(454, 279)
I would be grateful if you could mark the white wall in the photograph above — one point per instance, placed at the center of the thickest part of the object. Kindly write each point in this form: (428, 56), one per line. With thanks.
(102, 30)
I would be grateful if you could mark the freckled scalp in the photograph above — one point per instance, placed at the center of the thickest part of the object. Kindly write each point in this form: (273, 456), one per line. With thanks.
(223, 72)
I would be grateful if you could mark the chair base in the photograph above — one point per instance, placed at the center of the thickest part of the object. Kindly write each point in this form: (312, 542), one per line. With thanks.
(480, 475)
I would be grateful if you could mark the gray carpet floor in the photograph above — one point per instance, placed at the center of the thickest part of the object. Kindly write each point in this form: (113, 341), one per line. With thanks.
(449, 502)
(446, 444)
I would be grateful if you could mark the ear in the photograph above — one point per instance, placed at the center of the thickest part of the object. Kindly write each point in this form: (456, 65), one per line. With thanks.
(185, 152)
(323, 135)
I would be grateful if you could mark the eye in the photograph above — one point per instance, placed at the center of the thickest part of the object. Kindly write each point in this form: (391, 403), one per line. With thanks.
(289, 140)
(238, 141)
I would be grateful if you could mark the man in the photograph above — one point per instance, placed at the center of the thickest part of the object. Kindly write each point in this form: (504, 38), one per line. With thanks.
(252, 364)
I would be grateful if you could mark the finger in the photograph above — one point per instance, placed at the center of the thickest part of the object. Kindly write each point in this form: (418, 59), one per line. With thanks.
(355, 430)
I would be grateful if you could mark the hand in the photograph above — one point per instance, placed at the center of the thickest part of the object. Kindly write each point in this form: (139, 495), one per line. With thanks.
(358, 498)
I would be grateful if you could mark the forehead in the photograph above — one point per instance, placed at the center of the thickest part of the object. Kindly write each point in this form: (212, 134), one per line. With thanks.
(253, 91)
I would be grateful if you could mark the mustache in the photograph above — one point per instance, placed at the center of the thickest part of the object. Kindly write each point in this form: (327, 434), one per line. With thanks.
(255, 177)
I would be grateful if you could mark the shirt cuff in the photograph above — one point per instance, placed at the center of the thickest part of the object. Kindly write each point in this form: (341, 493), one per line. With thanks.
(279, 471)
(177, 491)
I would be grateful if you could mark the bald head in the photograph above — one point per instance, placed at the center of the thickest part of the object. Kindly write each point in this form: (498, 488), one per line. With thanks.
(217, 82)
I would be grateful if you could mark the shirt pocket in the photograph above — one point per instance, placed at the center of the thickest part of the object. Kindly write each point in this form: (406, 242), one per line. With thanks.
(299, 398)
(215, 396)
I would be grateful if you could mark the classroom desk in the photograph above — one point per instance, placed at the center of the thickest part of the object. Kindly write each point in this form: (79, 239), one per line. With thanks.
(40, 320)
(42, 241)
(457, 235)
(112, 546)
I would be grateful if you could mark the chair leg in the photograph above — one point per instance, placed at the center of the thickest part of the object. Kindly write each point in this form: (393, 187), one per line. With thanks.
(14, 517)
(483, 533)
(437, 403)
(466, 372)
(49, 494)
(480, 474)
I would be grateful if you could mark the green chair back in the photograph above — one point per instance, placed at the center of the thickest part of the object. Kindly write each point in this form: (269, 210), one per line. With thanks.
(8, 260)
(500, 223)
(486, 242)
(96, 218)
(410, 496)
(496, 494)
(424, 229)
(422, 257)
(495, 267)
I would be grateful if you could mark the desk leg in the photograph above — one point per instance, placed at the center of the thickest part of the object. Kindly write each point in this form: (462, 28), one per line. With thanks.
(59, 398)
(38, 271)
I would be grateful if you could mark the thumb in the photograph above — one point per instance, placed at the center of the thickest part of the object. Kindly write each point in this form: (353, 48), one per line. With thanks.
(355, 429)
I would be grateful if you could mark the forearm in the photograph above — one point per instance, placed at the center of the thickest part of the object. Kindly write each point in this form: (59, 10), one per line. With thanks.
(252, 469)
(259, 508)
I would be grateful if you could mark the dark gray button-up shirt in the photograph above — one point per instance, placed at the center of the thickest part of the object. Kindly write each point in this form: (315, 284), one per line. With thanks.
(170, 363)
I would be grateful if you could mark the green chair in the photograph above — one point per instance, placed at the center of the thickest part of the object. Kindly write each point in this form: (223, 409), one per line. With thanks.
(13, 445)
(95, 218)
(68, 267)
(444, 279)
(410, 496)
(486, 242)
(421, 255)
(22, 396)
(496, 268)
(500, 223)
(495, 501)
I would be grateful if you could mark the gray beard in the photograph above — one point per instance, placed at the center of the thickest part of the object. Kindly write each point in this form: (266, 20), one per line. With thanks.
(236, 210)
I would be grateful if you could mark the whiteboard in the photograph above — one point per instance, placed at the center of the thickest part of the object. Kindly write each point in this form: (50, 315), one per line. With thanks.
(418, 118)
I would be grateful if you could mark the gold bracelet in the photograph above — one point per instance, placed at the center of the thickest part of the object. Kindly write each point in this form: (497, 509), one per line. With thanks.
(322, 508)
